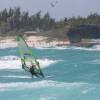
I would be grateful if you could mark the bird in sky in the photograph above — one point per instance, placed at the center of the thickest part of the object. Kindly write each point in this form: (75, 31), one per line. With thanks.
(53, 4)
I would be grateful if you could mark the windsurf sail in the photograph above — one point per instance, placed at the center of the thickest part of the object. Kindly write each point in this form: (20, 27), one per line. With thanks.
(27, 56)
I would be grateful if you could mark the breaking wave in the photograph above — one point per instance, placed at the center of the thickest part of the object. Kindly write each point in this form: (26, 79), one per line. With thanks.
(41, 84)
(13, 62)
(94, 48)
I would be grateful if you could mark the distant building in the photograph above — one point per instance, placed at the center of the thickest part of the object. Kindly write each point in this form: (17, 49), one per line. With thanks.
(83, 32)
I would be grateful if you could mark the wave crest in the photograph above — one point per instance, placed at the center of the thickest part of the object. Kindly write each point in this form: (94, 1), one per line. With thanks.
(41, 84)
(13, 62)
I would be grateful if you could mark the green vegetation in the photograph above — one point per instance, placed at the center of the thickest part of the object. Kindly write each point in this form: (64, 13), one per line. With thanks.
(92, 19)
(13, 20)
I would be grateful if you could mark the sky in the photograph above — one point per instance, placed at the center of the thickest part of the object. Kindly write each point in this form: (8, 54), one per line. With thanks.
(58, 9)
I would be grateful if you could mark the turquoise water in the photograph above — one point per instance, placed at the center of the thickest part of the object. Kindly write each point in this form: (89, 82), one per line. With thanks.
(71, 73)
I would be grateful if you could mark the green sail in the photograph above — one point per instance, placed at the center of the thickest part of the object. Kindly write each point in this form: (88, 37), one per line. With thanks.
(27, 54)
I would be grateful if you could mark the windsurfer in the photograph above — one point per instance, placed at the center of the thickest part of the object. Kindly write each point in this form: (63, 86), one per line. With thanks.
(27, 57)
(33, 70)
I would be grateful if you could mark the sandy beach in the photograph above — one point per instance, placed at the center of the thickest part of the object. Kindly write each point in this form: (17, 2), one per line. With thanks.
(33, 41)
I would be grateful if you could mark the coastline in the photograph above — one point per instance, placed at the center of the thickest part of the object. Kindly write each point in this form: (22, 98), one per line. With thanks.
(32, 41)
(37, 41)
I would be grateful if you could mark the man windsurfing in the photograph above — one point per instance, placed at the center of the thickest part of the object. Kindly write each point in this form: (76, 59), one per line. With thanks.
(29, 61)
(32, 69)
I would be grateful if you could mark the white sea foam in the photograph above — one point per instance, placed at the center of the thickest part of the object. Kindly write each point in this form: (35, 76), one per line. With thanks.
(53, 47)
(9, 58)
(97, 47)
(48, 98)
(89, 89)
(40, 84)
(84, 91)
(16, 76)
(13, 62)
(96, 61)
(94, 48)
(83, 48)
(47, 62)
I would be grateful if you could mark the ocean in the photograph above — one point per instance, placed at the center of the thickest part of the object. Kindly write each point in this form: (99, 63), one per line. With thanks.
(71, 73)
